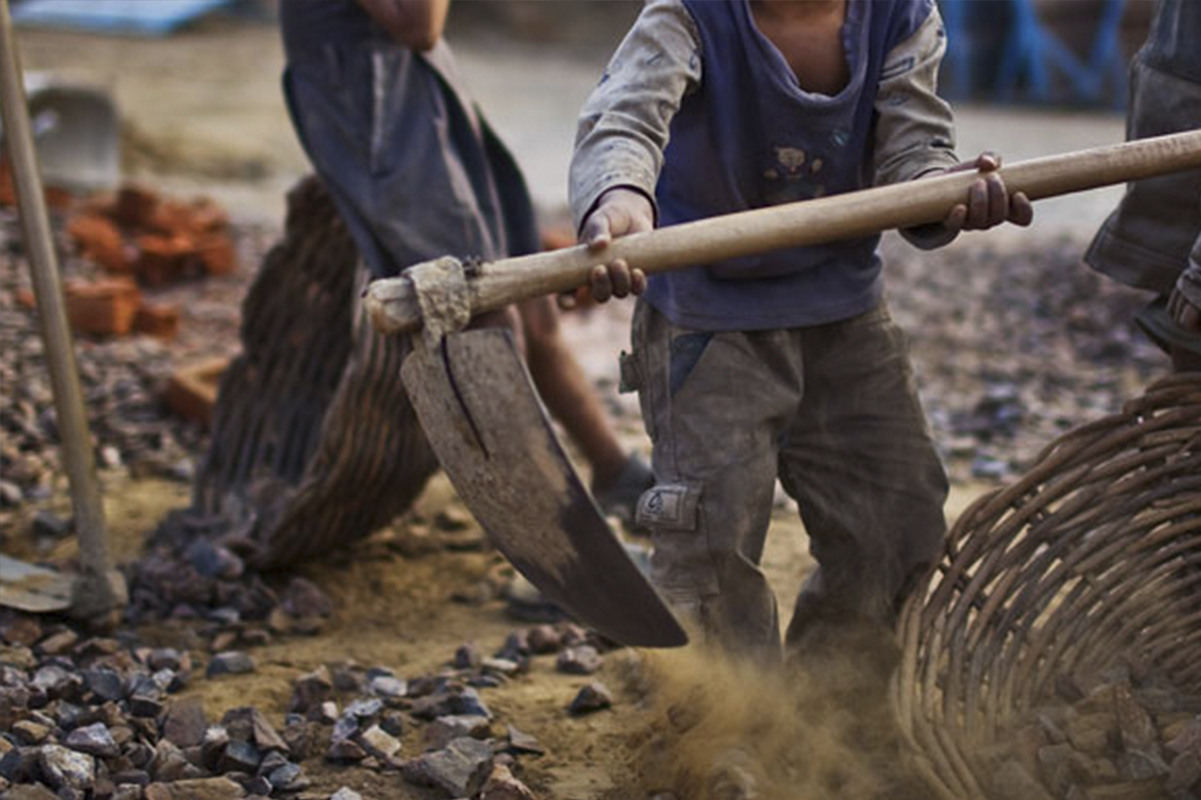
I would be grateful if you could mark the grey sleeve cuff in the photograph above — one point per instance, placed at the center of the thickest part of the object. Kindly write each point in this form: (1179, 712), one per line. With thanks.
(625, 124)
(915, 130)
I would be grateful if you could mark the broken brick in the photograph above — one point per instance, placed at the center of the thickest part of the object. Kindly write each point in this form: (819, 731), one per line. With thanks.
(99, 240)
(192, 390)
(216, 253)
(135, 206)
(103, 308)
(165, 259)
(160, 321)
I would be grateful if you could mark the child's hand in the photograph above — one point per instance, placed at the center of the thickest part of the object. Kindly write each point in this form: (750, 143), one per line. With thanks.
(618, 213)
(1184, 313)
(989, 202)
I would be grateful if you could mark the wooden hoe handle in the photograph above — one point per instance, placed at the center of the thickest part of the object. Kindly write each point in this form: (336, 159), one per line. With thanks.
(393, 305)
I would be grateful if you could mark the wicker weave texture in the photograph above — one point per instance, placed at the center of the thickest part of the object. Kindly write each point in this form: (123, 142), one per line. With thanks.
(314, 442)
(1094, 555)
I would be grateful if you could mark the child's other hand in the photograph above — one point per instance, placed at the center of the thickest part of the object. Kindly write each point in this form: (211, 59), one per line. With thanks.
(989, 203)
(619, 212)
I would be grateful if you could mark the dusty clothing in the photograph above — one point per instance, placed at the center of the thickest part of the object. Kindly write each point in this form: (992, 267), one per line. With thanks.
(801, 375)
(833, 411)
(699, 111)
(1153, 240)
(413, 167)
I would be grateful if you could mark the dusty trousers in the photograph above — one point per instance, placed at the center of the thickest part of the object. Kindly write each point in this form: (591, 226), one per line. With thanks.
(832, 411)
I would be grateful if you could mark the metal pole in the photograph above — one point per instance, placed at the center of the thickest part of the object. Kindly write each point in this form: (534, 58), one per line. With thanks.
(98, 589)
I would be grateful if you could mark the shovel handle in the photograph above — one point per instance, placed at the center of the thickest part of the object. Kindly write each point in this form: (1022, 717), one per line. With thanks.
(392, 303)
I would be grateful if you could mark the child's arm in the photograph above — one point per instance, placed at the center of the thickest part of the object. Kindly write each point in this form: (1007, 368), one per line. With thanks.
(416, 24)
(625, 124)
(915, 137)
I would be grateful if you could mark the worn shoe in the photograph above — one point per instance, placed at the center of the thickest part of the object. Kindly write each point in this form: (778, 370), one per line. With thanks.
(620, 497)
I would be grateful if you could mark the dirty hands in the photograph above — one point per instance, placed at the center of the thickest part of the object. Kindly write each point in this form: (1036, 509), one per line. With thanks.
(989, 203)
(619, 212)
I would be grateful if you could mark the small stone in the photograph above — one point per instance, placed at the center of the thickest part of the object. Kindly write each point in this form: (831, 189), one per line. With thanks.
(387, 686)
(581, 660)
(501, 666)
(168, 658)
(196, 789)
(393, 722)
(56, 682)
(28, 732)
(59, 643)
(28, 791)
(1185, 773)
(50, 525)
(379, 743)
(106, 684)
(311, 689)
(523, 743)
(501, 785)
(460, 769)
(345, 750)
(231, 662)
(95, 740)
(346, 793)
(185, 723)
(145, 706)
(543, 639)
(288, 778)
(21, 629)
(593, 697)
(239, 756)
(444, 730)
(67, 768)
(303, 598)
(326, 713)
(364, 709)
(467, 656)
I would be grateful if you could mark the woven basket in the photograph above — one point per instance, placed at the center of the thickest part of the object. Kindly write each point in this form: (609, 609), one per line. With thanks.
(1093, 556)
(314, 442)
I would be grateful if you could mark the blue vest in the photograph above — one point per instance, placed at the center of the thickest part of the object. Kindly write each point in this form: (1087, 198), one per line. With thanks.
(751, 137)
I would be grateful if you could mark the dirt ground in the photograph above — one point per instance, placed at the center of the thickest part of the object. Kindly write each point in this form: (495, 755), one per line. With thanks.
(203, 114)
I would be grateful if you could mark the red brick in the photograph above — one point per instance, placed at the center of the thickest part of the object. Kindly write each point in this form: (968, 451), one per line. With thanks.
(99, 240)
(160, 321)
(103, 308)
(207, 216)
(165, 259)
(192, 390)
(216, 253)
(136, 206)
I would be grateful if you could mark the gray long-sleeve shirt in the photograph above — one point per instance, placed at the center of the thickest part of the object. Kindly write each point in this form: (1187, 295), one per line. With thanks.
(625, 123)
(700, 85)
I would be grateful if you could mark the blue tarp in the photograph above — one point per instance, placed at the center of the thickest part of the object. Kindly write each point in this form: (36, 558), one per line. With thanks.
(131, 17)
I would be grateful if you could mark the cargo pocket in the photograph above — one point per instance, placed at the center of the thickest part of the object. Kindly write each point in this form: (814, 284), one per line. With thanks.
(681, 563)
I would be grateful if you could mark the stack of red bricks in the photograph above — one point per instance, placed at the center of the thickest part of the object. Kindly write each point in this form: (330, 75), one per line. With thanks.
(143, 241)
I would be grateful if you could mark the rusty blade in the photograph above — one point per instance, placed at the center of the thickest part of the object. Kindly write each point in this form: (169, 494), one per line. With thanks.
(479, 409)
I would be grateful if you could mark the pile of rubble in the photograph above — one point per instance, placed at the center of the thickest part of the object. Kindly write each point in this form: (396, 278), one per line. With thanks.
(1128, 734)
(1014, 347)
(96, 717)
(146, 400)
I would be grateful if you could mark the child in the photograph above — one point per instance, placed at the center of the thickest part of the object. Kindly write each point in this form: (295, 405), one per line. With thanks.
(417, 173)
(784, 365)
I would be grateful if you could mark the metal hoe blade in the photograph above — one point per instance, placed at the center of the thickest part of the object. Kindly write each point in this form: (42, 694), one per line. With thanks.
(479, 409)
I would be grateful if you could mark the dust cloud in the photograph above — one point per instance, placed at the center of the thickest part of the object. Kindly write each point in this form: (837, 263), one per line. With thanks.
(720, 728)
